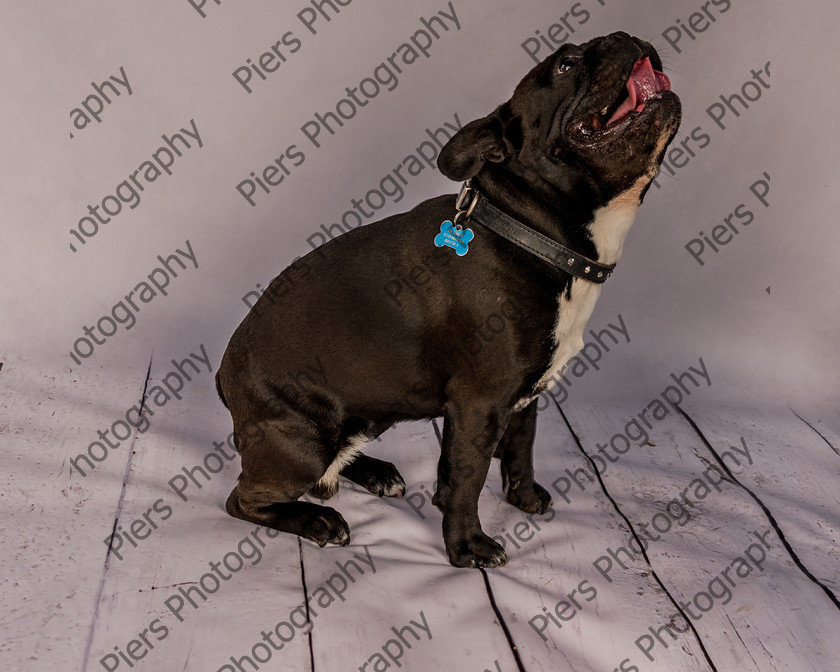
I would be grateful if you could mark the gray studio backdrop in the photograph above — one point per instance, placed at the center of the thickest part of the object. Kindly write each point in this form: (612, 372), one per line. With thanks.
(245, 131)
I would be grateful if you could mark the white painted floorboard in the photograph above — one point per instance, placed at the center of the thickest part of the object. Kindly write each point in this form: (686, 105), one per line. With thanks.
(71, 604)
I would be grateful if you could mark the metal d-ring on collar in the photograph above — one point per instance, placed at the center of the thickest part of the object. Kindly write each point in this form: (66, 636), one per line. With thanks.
(459, 203)
(471, 205)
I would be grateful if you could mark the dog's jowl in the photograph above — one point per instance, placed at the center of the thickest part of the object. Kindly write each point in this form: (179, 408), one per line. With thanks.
(553, 178)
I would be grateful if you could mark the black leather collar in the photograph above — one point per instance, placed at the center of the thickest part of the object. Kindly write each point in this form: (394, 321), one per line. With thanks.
(473, 206)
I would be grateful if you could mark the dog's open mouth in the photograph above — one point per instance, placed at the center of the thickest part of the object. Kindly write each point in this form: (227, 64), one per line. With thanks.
(644, 84)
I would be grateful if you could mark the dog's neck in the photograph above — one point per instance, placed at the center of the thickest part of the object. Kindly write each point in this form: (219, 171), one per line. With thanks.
(595, 232)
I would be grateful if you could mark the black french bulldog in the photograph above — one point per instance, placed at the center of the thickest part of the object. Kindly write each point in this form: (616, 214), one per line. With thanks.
(331, 355)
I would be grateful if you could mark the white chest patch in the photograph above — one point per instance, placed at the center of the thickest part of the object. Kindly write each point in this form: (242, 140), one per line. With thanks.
(572, 317)
(609, 229)
(612, 222)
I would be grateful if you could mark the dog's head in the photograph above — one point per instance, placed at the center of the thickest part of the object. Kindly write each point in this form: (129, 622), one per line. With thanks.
(593, 118)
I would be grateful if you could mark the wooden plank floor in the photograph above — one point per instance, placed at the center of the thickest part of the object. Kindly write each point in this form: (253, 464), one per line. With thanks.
(708, 541)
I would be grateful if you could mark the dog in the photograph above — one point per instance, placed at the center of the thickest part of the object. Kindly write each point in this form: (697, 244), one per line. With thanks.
(332, 354)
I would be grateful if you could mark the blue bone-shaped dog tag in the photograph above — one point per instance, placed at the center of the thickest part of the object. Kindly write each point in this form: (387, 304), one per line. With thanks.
(455, 237)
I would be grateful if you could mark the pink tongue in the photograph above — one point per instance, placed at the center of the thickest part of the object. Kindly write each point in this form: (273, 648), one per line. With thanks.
(644, 83)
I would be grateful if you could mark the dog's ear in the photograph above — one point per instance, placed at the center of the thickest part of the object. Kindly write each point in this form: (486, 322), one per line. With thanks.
(479, 141)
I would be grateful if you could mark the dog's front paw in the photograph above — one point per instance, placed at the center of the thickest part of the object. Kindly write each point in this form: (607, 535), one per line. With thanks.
(479, 550)
(531, 498)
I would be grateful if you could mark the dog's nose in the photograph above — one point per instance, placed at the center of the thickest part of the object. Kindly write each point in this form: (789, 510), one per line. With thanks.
(616, 47)
(618, 36)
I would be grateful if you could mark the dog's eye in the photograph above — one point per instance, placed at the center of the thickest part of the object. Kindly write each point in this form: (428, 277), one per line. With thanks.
(565, 65)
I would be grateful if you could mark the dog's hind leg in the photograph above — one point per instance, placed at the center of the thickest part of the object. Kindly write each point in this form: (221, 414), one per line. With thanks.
(279, 465)
(377, 476)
